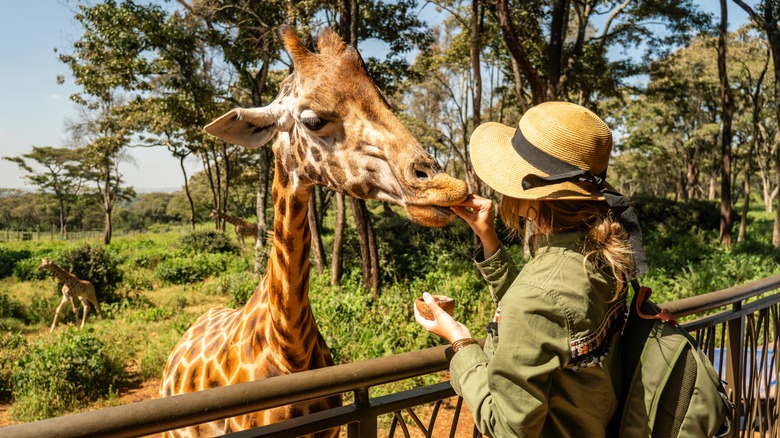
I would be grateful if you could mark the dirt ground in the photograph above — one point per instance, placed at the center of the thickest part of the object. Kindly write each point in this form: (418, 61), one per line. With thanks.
(149, 389)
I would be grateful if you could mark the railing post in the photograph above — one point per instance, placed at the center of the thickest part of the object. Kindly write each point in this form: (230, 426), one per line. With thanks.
(734, 360)
(367, 426)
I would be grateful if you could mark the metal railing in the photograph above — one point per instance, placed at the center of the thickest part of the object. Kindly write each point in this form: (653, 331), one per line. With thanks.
(740, 339)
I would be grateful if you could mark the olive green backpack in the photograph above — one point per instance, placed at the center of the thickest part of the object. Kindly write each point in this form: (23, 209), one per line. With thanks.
(669, 386)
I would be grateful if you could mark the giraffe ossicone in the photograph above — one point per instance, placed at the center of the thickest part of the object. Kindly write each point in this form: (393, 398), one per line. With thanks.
(333, 128)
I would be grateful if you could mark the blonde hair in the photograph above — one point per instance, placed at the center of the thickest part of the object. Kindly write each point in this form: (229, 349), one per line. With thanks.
(606, 240)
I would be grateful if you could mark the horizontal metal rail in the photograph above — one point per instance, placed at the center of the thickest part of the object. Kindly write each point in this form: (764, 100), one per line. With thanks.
(748, 322)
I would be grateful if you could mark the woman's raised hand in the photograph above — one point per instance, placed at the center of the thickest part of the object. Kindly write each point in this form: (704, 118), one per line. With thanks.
(479, 214)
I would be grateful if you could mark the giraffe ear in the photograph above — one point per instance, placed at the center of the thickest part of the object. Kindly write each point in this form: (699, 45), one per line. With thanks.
(247, 127)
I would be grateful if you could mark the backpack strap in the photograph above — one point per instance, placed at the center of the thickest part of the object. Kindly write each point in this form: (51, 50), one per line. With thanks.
(641, 316)
(642, 295)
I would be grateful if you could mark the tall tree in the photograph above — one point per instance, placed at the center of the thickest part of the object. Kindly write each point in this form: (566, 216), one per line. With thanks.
(244, 32)
(56, 172)
(557, 53)
(768, 21)
(107, 62)
(727, 116)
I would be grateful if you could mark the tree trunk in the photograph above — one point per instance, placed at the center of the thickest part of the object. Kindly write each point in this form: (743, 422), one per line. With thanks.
(107, 205)
(518, 54)
(187, 192)
(727, 115)
(316, 238)
(475, 49)
(776, 226)
(768, 22)
(756, 117)
(558, 26)
(338, 240)
(367, 241)
(62, 215)
(691, 174)
(261, 252)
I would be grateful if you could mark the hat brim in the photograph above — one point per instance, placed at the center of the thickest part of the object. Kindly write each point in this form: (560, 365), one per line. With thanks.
(498, 164)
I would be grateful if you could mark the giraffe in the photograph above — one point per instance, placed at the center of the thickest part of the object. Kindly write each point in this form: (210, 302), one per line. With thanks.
(243, 228)
(334, 129)
(72, 287)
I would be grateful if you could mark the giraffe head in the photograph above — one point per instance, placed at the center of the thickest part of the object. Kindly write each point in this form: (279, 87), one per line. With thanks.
(213, 213)
(337, 130)
(44, 263)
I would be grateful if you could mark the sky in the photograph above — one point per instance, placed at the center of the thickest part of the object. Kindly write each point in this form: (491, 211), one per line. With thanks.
(34, 109)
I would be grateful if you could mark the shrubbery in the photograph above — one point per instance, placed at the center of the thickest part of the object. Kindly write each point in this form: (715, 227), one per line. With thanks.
(12, 348)
(11, 308)
(8, 260)
(62, 373)
(238, 286)
(208, 241)
(26, 269)
(189, 268)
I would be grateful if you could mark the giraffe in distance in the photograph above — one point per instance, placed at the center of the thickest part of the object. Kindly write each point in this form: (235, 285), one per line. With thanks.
(72, 288)
(244, 228)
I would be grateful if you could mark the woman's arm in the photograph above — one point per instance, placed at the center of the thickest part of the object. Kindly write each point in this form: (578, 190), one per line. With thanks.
(508, 393)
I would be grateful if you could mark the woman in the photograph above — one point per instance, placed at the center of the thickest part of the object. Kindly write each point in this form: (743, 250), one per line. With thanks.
(547, 368)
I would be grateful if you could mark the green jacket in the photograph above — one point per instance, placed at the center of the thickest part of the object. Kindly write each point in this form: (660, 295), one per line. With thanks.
(549, 371)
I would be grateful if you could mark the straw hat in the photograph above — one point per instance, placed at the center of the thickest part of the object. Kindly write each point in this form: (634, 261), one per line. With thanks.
(567, 132)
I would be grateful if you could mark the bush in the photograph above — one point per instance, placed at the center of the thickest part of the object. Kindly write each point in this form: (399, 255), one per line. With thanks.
(26, 269)
(674, 218)
(239, 287)
(191, 268)
(408, 251)
(12, 348)
(12, 308)
(63, 373)
(209, 241)
(97, 265)
(8, 260)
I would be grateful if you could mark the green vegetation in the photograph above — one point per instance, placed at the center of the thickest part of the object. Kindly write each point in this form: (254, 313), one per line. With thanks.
(63, 373)
(162, 282)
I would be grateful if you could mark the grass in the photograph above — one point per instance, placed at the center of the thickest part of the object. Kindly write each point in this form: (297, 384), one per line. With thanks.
(142, 328)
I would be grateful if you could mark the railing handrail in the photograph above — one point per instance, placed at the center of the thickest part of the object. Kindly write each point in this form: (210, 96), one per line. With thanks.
(721, 298)
(198, 407)
(157, 415)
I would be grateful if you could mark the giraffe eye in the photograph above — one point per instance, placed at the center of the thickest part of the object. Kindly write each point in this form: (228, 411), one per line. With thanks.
(312, 121)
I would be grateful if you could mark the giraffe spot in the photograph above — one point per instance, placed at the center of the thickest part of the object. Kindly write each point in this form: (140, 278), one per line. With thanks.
(361, 191)
(248, 352)
(231, 362)
(194, 375)
(316, 154)
(336, 173)
(296, 207)
(311, 173)
(281, 206)
(242, 375)
(353, 168)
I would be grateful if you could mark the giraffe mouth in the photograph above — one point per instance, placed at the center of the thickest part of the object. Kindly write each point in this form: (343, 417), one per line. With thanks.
(429, 215)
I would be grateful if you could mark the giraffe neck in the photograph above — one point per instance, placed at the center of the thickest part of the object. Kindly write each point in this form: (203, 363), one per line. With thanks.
(231, 219)
(58, 272)
(284, 290)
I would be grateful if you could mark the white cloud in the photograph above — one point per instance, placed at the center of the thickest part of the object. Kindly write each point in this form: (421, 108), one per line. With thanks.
(53, 96)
